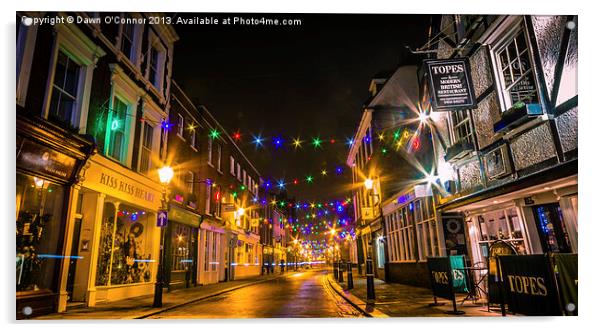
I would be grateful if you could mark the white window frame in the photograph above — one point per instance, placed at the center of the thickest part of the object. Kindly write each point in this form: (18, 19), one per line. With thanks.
(232, 168)
(193, 138)
(82, 51)
(208, 199)
(135, 57)
(180, 126)
(244, 177)
(467, 121)
(210, 152)
(124, 88)
(190, 182)
(153, 115)
(498, 42)
(155, 42)
(219, 158)
(238, 172)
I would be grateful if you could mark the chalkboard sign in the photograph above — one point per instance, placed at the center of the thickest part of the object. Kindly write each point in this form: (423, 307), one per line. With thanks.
(450, 84)
(496, 249)
(441, 277)
(567, 273)
(529, 287)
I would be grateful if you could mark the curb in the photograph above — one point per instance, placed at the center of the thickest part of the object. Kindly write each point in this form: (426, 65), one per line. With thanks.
(204, 297)
(356, 302)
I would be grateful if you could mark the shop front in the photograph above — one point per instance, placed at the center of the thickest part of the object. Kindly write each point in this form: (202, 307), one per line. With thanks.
(536, 220)
(246, 255)
(212, 250)
(46, 185)
(118, 238)
(182, 247)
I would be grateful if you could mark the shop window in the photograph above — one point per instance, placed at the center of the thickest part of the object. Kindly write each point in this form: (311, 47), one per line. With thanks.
(181, 258)
(118, 125)
(146, 149)
(214, 252)
(126, 243)
(552, 229)
(64, 100)
(38, 232)
(501, 225)
(513, 61)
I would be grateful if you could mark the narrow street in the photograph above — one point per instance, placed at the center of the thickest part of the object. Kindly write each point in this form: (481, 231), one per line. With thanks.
(301, 295)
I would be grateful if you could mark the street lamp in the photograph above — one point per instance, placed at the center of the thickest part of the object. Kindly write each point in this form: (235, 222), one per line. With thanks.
(165, 175)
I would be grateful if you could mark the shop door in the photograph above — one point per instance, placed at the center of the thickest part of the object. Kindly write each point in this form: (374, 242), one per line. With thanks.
(73, 257)
(551, 228)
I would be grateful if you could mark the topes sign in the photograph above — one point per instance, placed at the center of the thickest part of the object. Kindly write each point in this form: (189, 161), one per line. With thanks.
(529, 285)
(450, 84)
(441, 277)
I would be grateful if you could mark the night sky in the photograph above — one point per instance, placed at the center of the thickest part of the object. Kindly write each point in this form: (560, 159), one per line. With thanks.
(294, 81)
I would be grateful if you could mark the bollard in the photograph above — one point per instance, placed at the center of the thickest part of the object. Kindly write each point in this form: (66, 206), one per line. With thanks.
(335, 271)
(371, 297)
(341, 271)
(349, 276)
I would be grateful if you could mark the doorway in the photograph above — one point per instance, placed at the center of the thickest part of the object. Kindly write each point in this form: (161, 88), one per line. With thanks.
(551, 228)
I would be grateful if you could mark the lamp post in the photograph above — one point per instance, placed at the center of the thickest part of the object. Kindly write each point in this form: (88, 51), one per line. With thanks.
(165, 176)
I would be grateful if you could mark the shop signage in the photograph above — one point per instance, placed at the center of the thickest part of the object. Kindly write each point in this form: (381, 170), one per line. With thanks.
(528, 285)
(161, 218)
(567, 268)
(41, 159)
(450, 84)
(184, 217)
(229, 207)
(125, 187)
(458, 273)
(441, 277)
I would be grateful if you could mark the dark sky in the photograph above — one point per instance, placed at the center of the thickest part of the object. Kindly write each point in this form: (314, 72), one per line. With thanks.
(289, 81)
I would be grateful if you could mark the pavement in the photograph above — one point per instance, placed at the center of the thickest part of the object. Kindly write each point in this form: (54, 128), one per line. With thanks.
(142, 306)
(398, 300)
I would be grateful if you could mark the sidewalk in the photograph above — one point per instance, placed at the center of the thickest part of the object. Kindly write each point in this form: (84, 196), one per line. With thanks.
(142, 306)
(397, 300)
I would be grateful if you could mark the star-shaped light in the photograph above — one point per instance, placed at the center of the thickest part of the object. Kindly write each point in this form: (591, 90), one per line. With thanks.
(309, 179)
(316, 142)
(324, 172)
(297, 143)
(214, 133)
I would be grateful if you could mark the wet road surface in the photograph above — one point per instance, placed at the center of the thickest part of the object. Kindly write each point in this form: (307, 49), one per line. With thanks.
(302, 295)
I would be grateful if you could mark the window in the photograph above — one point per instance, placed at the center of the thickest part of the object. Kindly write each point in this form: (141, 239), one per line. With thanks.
(219, 157)
(154, 66)
(207, 247)
(514, 64)
(244, 177)
(238, 171)
(146, 149)
(232, 170)
(208, 199)
(218, 202)
(180, 125)
(210, 151)
(193, 138)
(190, 182)
(462, 126)
(249, 183)
(26, 39)
(181, 248)
(156, 61)
(127, 41)
(501, 225)
(126, 238)
(39, 210)
(118, 122)
(63, 102)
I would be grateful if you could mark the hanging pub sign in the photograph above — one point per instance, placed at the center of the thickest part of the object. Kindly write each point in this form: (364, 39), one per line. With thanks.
(529, 287)
(450, 84)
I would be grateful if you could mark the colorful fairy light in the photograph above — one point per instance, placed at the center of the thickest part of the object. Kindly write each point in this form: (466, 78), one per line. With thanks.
(214, 133)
